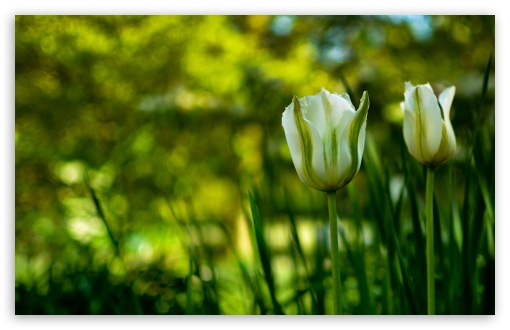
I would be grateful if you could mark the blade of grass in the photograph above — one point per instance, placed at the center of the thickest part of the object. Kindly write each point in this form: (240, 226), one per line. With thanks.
(296, 283)
(101, 215)
(387, 216)
(244, 272)
(466, 291)
(377, 211)
(134, 297)
(319, 274)
(259, 299)
(418, 234)
(479, 113)
(295, 235)
(297, 244)
(470, 226)
(189, 289)
(482, 183)
(365, 297)
(406, 278)
(451, 265)
(264, 254)
(210, 290)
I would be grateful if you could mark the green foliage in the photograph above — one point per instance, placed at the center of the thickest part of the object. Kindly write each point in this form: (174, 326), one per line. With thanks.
(192, 204)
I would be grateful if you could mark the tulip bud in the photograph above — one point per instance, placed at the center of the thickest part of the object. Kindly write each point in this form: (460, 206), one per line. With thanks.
(428, 132)
(326, 138)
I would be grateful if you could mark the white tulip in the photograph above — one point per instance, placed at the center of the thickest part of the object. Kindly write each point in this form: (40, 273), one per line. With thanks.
(326, 138)
(428, 132)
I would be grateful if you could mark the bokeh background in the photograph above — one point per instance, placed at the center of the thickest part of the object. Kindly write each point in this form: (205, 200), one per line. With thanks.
(140, 139)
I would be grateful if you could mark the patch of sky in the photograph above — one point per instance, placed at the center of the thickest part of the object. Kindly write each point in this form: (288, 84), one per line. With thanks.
(337, 54)
(335, 49)
(282, 25)
(420, 25)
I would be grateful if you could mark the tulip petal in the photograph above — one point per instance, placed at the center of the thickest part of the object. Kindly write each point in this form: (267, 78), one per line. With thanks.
(443, 147)
(452, 142)
(408, 99)
(428, 121)
(346, 97)
(446, 99)
(428, 133)
(343, 162)
(304, 144)
(341, 103)
(338, 113)
(293, 140)
(361, 144)
(318, 156)
(313, 111)
(355, 136)
(410, 133)
(326, 137)
(332, 106)
(345, 158)
(446, 148)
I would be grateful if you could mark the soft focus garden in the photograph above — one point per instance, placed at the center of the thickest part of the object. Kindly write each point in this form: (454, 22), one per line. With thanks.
(255, 165)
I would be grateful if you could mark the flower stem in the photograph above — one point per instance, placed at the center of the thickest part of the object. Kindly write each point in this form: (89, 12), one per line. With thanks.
(431, 295)
(333, 231)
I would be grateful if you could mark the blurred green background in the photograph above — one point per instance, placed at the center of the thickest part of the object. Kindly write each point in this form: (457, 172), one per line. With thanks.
(172, 121)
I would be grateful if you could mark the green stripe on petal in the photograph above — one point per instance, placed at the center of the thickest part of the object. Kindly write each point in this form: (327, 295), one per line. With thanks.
(305, 136)
(420, 133)
(430, 124)
(445, 151)
(329, 141)
(442, 155)
(354, 131)
(333, 147)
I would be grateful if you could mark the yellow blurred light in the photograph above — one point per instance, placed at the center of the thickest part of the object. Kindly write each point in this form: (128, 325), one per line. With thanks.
(257, 22)
(398, 37)
(103, 179)
(306, 231)
(71, 172)
(461, 33)
(278, 235)
(246, 145)
(205, 273)
(116, 267)
(242, 237)
(393, 113)
(144, 141)
(213, 235)
(283, 266)
(85, 229)
(214, 197)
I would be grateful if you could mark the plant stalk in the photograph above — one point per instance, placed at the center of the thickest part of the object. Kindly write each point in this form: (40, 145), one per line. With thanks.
(431, 295)
(335, 261)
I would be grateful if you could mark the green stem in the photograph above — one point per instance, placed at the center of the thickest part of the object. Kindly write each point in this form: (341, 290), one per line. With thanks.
(335, 261)
(431, 295)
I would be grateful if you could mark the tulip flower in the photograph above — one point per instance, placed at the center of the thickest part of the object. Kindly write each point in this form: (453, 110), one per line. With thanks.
(326, 138)
(428, 132)
(430, 139)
